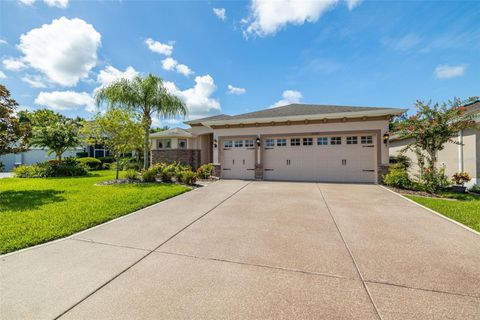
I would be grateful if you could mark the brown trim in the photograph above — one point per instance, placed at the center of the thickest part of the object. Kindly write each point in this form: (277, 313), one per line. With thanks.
(300, 122)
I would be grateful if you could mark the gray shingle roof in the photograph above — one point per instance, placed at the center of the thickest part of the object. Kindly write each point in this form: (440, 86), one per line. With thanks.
(212, 118)
(473, 108)
(303, 110)
(175, 132)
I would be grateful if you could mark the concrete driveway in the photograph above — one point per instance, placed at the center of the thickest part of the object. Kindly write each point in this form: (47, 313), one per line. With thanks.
(255, 250)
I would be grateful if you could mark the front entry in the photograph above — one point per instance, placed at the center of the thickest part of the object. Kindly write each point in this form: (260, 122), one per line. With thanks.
(238, 159)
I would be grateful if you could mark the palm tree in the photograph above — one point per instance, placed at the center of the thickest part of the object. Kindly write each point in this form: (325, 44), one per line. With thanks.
(145, 96)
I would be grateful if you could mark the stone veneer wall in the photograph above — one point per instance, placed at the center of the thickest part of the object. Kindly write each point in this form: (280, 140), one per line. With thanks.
(192, 157)
(382, 170)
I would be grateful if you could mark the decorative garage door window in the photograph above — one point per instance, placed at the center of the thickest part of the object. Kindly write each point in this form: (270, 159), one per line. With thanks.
(366, 139)
(269, 142)
(281, 142)
(307, 141)
(322, 141)
(238, 143)
(227, 143)
(352, 140)
(295, 141)
(336, 140)
(249, 143)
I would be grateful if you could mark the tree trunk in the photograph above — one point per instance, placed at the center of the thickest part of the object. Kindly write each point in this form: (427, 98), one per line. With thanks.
(146, 148)
(118, 168)
(59, 155)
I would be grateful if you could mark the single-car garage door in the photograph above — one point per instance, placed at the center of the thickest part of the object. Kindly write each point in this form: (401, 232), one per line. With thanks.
(335, 158)
(238, 159)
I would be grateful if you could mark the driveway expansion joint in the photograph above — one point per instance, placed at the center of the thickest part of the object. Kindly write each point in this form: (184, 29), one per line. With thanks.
(313, 273)
(149, 253)
(351, 254)
(110, 244)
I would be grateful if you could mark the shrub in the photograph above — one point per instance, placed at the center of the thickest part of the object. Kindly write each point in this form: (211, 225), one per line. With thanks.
(149, 175)
(82, 154)
(475, 188)
(397, 177)
(107, 166)
(401, 159)
(205, 171)
(460, 178)
(131, 174)
(29, 171)
(158, 167)
(168, 173)
(107, 159)
(189, 177)
(435, 180)
(2, 166)
(91, 163)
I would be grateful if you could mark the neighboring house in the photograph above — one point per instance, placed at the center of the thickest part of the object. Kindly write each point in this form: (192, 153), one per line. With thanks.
(295, 142)
(31, 156)
(455, 157)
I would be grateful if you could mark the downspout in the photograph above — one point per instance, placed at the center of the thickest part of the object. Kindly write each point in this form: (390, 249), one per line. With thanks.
(460, 151)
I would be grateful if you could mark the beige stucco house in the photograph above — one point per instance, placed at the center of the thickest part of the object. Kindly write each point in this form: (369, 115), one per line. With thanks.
(455, 157)
(297, 142)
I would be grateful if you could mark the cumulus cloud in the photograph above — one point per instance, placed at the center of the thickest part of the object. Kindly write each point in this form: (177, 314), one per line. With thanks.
(171, 64)
(35, 81)
(267, 17)
(110, 74)
(2, 75)
(352, 4)
(158, 47)
(14, 64)
(66, 100)
(2, 41)
(288, 97)
(65, 50)
(198, 99)
(236, 90)
(27, 2)
(446, 71)
(220, 13)
(62, 4)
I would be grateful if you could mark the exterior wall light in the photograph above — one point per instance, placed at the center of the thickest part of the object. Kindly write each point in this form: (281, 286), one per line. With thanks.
(215, 143)
(258, 142)
(386, 136)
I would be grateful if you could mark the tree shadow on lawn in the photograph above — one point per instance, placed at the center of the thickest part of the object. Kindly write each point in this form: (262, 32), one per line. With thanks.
(28, 199)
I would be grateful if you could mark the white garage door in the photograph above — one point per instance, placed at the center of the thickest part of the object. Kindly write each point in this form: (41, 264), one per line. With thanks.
(337, 158)
(238, 159)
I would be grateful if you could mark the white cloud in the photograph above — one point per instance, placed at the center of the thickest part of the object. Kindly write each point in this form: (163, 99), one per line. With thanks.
(352, 4)
(2, 41)
(288, 97)
(62, 4)
(171, 64)
(404, 43)
(34, 81)
(14, 64)
(27, 2)
(236, 90)
(66, 100)
(446, 71)
(2, 75)
(110, 74)
(220, 13)
(267, 17)
(158, 47)
(198, 99)
(65, 50)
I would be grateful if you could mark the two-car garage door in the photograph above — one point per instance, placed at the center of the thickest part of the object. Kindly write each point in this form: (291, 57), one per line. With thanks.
(335, 158)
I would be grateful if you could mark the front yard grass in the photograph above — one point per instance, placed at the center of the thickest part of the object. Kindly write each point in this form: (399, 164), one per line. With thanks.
(464, 208)
(34, 211)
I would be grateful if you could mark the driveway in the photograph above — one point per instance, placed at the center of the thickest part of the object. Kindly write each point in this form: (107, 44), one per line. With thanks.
(250, 250)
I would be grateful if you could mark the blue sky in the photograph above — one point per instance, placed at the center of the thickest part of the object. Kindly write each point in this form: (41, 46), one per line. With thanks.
(55, 53)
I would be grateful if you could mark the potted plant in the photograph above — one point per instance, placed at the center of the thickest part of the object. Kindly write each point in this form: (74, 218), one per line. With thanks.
(460, 178)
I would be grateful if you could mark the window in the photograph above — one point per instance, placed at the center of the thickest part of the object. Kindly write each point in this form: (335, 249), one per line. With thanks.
(352, 140)
(227, 143)
(366, 139)
(182, 143)
(249, 143)
(238, 143)
(281, 142)
(164, 144)
(307, 141)
(322, 141)
(269, 142)
(295, 141)
(335, 140)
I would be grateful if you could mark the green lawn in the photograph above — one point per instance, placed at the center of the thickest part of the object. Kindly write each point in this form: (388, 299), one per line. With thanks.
(34, 211)
(464, 209)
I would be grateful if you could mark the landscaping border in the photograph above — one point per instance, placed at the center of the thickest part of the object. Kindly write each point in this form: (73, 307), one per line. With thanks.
(433, 211)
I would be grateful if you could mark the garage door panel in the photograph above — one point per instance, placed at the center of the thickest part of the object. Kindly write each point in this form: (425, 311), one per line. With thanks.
(333, 163)
(238, 161)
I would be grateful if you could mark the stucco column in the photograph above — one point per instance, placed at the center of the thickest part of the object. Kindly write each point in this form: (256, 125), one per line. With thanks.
(259, 165)
(460, 151)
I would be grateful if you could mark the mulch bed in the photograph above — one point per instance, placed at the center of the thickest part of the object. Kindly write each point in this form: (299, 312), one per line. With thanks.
(424, 194)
